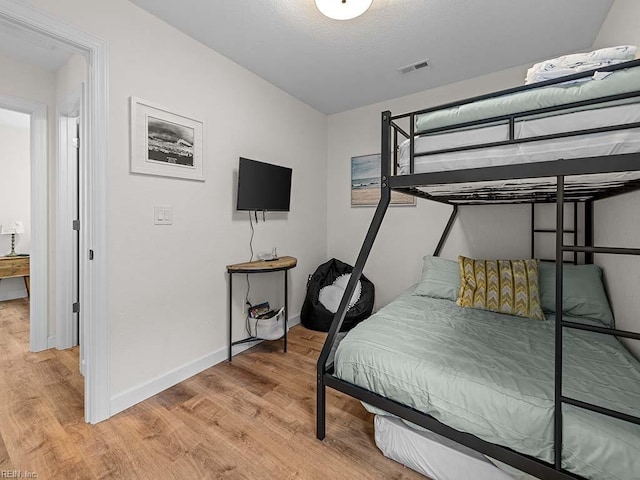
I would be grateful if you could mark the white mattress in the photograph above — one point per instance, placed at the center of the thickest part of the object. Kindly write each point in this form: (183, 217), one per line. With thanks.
(600, 144)
(484, 191)
(435, 456)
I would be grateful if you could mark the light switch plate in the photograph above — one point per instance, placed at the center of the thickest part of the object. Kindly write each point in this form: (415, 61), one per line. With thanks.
(163, 215)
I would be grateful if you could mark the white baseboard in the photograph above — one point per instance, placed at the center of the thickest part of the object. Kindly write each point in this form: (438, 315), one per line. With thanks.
(135, 395)
(51, 342)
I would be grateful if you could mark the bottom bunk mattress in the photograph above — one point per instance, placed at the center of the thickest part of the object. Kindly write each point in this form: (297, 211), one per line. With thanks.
(435, 456)
(491, 375)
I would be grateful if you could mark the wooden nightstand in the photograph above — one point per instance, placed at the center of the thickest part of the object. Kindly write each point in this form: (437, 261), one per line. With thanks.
(12, 267)
(282, 264)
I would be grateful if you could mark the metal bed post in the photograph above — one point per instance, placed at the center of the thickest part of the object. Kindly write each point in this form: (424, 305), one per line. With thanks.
(557, 410)
(447, 229)
(575, 231)
(533, 227)
(412, 144)
(385, 198)
(588, 230)
(395, 151)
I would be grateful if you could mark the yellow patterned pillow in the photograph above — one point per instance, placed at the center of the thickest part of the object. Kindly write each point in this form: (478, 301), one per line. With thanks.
(504, 286)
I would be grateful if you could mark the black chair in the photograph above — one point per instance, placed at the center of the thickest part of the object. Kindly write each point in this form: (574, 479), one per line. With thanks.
(316, 317)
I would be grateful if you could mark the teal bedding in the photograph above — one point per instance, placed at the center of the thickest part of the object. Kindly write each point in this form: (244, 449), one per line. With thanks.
(621, 81)
(492, 375)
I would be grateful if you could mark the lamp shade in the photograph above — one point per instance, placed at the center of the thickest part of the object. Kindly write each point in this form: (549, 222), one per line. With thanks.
(12, 228)
(343, 9)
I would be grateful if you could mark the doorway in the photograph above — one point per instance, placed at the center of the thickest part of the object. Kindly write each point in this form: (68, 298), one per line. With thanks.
(27, 22)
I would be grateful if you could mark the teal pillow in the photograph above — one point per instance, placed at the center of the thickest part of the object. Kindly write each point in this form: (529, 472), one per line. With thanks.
(583, 293)
(440, 279)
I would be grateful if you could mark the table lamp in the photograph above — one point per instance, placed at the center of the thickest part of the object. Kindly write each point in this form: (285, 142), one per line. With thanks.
(12, 229)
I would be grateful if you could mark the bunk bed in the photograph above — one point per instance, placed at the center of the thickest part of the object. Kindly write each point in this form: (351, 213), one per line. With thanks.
(556, 141)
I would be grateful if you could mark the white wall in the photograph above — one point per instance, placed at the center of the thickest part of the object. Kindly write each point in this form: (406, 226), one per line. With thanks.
(617, 220)
(622, 25)
(15, 197)
(409, 233)
(70, 77)
(167, 284)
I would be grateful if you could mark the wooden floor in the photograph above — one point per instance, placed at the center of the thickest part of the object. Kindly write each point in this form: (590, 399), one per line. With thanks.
(251, 419)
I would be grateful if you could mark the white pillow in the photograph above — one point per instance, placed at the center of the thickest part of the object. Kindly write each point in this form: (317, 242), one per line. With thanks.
(331, 295)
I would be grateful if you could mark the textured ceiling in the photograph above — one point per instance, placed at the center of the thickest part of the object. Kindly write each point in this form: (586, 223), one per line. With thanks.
(338, 65)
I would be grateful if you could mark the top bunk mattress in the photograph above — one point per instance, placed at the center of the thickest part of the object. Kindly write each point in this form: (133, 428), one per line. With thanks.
(618, 82)
(591, 145)
(491, 375)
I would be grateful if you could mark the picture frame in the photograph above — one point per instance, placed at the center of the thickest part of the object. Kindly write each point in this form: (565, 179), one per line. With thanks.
(365, 183)
(165, 143)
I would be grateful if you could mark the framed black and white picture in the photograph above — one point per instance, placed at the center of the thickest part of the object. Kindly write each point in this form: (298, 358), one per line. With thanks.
(165, 143)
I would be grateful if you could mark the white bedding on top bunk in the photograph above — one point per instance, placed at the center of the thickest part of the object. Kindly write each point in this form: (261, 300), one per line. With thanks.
(600, 144)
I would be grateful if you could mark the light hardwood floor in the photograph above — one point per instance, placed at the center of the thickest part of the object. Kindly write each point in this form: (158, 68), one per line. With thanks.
(251, 419)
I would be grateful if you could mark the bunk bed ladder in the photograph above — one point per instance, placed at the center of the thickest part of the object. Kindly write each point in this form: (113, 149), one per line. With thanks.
(572, 231)
(589, 250)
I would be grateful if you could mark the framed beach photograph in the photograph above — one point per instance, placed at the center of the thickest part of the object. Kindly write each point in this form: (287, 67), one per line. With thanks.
(365, 183)
(165, 143)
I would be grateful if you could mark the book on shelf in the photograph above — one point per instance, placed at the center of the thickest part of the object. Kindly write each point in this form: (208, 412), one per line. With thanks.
(269, 314)
(257, 311)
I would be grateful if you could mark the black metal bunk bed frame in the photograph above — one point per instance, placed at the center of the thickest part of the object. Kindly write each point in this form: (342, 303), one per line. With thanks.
(559, 169)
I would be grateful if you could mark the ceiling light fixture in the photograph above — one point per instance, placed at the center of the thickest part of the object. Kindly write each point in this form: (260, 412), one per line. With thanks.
(343, 9)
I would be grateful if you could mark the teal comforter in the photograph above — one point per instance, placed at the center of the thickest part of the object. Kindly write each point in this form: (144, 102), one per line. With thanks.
(492, 375)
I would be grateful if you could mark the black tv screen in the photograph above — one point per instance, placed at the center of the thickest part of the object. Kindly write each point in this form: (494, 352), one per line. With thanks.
(262, 186)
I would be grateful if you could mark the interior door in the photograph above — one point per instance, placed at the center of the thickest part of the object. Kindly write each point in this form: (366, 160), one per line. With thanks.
(76, 235)
(72, 168)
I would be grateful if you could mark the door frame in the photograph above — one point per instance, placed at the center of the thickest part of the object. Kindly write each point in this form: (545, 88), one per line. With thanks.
(39, 185)
(93, 234)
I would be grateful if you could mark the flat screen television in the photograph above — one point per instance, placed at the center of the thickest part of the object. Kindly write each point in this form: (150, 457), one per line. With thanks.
(263, 186)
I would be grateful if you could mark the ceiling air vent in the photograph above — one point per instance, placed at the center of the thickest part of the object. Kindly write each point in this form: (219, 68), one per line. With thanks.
(413, 67)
